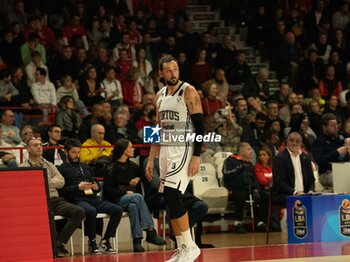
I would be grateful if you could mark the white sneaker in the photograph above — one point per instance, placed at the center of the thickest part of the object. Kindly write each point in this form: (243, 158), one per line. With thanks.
(175, 257)
(189, 254)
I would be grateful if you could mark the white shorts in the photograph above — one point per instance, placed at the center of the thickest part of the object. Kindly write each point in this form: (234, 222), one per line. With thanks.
(173, 167)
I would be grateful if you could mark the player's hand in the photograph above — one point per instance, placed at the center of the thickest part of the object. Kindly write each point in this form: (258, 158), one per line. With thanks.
(193, 168)
(149, 170)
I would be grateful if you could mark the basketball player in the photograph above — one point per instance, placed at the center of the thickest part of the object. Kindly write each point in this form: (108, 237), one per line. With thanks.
(177, 103)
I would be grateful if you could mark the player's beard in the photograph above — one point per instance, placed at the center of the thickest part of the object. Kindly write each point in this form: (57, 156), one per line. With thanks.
(172, 82)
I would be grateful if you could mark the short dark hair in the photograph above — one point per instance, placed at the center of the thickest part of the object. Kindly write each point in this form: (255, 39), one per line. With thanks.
(51, 127)
(70, 143)
(326, 118)
(165, 59)
(41, 71)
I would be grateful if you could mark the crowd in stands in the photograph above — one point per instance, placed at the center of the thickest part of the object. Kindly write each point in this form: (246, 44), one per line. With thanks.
(88, 70)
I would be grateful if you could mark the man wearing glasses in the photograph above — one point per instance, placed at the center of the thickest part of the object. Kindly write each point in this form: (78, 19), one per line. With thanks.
(292, 171)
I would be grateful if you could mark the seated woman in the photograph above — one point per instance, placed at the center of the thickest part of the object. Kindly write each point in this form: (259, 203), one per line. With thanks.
(210, 101)
(263, 167)
(120, 187)
(67, 118)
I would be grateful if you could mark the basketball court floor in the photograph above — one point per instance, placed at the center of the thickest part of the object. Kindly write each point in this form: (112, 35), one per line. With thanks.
(228, 249)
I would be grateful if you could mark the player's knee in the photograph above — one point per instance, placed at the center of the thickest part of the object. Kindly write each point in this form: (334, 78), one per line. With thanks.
(174, 202)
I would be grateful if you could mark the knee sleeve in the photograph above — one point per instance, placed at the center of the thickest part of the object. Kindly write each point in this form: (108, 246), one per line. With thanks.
(174, 202)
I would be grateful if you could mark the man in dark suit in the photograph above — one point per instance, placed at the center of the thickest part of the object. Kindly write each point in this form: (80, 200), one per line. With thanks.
(292, 171)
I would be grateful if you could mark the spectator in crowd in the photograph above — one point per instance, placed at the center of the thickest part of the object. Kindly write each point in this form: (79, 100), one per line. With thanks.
(144, 66)
(22, 154)
(285, 111)
(90, 89)
(339, 45)
(329, 147)
(44, 92)
(225, 52)
(123, 64)
(314, 19)
(67, 118)
(10, 132)
(94, 34)
(64, 64)
(112, 88)
(221, 82)
(322, 47)
(332, 106)
(200, 70)
(9, 50)
(73, 29)
(330, 85)
(110, 34)
(47, 37)
(315, 116)
(339, 68)
(210, 101)
(124, 44)
(132, 89)
(3, 144)
(263, 168)
(239, 71)
(54, 155)
(209, 148)
(184, 66)
(96, 117)
(69, 88)
(100, 154)
(241, 113)
(239, 179)
(8, 92)
(341, 17)
(122, 129)
(120, 187)
(81, 189)
(74, 214)
(229, 130)
(292, 171)
(289, 55)
(170, 46)
(7, 160)
(255, 106)
(310, 72)
(257, 85)
(18, 14)
(32, 44)
(35, 63)
(281, 96)
(300, 123)
(135, 35)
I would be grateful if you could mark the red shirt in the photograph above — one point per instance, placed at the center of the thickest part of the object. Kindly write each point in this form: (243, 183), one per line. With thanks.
(211, 105)
(263, 174)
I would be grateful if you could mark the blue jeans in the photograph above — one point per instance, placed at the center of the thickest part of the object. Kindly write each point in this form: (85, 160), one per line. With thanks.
(94, 206)
(139, 215)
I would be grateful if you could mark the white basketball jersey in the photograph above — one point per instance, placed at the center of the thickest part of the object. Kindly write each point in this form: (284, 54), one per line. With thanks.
(175, 119)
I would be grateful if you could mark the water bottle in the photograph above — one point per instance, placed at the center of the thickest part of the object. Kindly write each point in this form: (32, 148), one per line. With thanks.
(283, 222)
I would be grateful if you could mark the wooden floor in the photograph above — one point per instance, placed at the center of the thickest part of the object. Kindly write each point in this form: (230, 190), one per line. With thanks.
(232, 247)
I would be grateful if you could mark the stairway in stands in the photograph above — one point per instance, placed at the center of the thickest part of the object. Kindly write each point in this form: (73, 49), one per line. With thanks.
(201, 16)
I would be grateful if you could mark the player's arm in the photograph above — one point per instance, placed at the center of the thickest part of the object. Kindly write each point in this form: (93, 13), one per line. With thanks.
(155, 148)
(195, 110)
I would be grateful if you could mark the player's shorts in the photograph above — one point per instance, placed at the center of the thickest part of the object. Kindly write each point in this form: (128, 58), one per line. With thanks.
(173, 167)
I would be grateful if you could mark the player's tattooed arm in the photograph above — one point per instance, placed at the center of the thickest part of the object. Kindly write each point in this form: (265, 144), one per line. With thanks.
(193, 100)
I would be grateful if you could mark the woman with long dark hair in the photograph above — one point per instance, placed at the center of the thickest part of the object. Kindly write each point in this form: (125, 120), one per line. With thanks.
(119, 187)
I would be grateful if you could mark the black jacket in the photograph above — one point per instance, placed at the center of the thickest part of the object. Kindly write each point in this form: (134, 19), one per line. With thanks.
(117, 181)
(324, 150)
(284, 178)
(73, 174)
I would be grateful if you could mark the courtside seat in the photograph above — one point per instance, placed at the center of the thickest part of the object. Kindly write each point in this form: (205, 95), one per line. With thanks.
(220, 157)
(207, 169)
